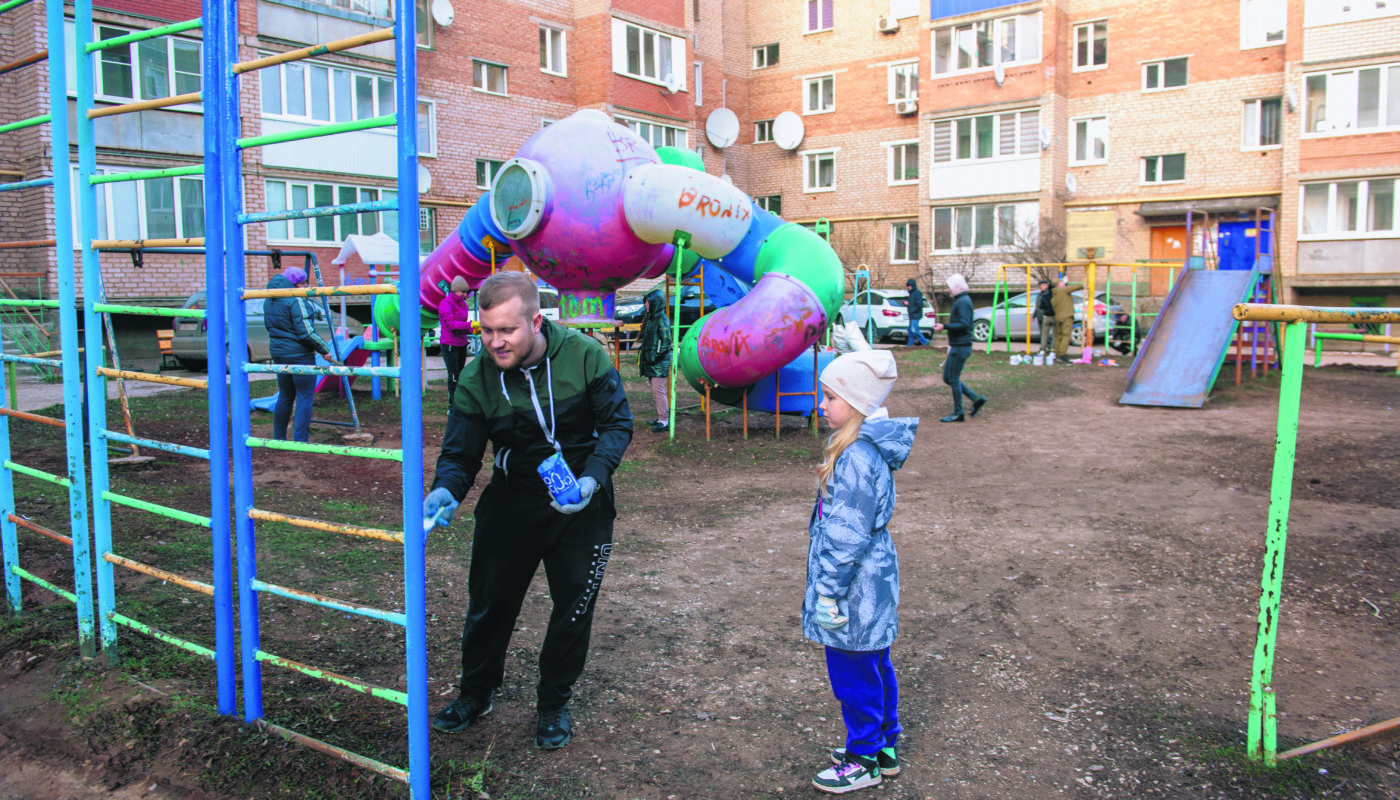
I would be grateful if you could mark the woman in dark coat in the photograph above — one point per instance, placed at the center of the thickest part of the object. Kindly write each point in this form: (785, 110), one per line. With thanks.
(292, 339)
(656, 355)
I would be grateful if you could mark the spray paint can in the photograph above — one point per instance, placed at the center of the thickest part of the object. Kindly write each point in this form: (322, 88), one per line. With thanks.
(560, 480)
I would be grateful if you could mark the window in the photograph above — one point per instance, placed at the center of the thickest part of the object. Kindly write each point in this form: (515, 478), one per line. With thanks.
(904, 242)
(427, 128)
(1091, 45)
(1262, 22)
(966, 228)
(648, 55)
(765, 55)
(1350, 209)
(1263, 122)
(284, 195)
(1090, 140)
(772, 203)
(486, 169)
(658, 135)
(904, 163)
(903, 82)
(161, 208)
(994, 136)
(374, 8)
(819, 15)
(146, 70)
(314, 92)
(986, 43)
(1351, 100)
(699, 83)
(819, 94)
(1167, 74)
(423, 21)
(427, 229)
(819, 171)
(1164, 169)
(553, 55)
(488, 77)
(763, 131)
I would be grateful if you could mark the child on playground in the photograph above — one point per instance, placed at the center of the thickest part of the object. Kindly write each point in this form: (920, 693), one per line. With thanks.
(655, 361)
(852, 599)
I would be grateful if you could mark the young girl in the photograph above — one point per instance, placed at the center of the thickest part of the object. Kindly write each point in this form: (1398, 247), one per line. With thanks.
(852, 599)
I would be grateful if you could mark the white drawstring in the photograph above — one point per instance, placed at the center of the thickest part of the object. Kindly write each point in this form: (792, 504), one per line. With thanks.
(535, 400)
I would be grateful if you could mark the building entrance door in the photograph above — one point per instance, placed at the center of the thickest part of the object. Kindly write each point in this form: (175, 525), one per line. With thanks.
(1168, 244)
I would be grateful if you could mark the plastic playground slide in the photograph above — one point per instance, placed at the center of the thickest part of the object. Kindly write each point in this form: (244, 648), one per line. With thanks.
(1178, 361)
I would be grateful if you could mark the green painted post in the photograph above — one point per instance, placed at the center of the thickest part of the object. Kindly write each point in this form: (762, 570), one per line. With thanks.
(1263, 730)
(10, 383)
(682, 241)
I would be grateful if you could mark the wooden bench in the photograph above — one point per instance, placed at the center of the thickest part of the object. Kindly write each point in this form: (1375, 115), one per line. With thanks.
(165, 340)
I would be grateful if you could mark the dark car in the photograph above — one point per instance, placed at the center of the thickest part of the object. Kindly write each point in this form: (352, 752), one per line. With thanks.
(631, 313)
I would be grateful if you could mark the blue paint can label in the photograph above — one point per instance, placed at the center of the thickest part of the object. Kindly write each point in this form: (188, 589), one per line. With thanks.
(560, 480)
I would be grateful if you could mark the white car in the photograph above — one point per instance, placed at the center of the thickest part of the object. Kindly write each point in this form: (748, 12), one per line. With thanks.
(549, 308)
(884, 314)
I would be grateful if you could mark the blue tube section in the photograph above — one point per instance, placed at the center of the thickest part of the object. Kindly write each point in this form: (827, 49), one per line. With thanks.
(477, 225)
(12, 187)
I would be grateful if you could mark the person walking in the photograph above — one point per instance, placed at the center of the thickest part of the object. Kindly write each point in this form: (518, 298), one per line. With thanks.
(916, 314)
(292, 339)
(1045, 317)
(851, 605)
(959, 329)
(1062, 298)
(541, 389)
(455, 315)
(655, 361)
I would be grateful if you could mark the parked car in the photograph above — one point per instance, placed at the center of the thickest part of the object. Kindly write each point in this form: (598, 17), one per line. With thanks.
(190, 339)
(631, 313)
(887, 313)
(990, 322)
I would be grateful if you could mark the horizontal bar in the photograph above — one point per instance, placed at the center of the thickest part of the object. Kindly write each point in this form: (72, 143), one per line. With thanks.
(28, 417)
(146, 105)
(6, 6)
(10, 301)
(330, 527)
(309, 369)
(326, 449)
(24, 62)
(32, 578)
(382, 693)
(1358, 337)
(1270, 312)
(150, 33)
(146, 174)
(27, 243)
(156, 572)
(24, 123)
(358, 40)
(322, 291)
(339, 752)
(156, 633)
(168, 447)
(41, 362)
(37, 182)
(150, 311)
(40, 529)
(318, 211)
(320, 130)
(154, 508)
(142, 244)
(151, 377)
(1380, 730)
(36, 473)
(326, 602)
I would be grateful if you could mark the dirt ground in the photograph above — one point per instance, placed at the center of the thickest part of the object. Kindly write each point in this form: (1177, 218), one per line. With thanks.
(1080, 587)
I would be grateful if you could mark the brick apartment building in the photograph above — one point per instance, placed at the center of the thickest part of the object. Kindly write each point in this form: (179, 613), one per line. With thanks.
(935, 135)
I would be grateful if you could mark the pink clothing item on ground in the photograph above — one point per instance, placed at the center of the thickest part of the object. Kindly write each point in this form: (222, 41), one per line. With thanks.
(455, 316)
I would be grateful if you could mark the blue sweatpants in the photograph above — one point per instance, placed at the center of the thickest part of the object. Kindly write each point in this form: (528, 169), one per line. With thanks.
(864, 684)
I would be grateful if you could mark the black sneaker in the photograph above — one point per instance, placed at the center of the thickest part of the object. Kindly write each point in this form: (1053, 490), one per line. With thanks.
(660, 426)
(977, 405)
(856, 772)
(459, 715)
(554, 729)
(887, 759)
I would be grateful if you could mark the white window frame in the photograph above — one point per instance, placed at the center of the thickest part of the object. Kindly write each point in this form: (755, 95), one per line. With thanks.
(911, 244)
(549, 33)
(897, 154)
(823, 25)
(807, 83)
(765, 202)
(655, 133)
(675, 47)
(487, 66)
(133, 65)
(1090, 28)
(1364, 192)
(998, 122)
(909, 70)
(1026, 35)
(341, 224)
(762, 131)
(811, 157)
(1142, 169)
(699, 83)
(110, 207)
(427, 149)
(423, 19)
(1343, 87)
(976, 214)
(381, 91)
(760, 54)
(1095, 127)
(492, 168)
(1256, 19)
(1161, 66)
(1251, 124)
(383, 9)
(427, 224)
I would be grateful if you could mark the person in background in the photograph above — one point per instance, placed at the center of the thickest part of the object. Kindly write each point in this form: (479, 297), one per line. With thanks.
(292, 339)
(655, 361)
(1045, 317)
(916, 314)
(455, 315)
(959, 329)
(1062, 298)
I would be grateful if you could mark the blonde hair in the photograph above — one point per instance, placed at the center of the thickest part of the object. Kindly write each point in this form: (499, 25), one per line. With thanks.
(844, 437)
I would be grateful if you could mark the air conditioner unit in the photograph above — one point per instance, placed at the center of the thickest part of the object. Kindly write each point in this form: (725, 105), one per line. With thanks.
(887, 24)
(909, 106)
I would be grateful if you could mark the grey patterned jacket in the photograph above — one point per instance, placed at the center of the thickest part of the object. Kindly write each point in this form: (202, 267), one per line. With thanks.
(851, 556)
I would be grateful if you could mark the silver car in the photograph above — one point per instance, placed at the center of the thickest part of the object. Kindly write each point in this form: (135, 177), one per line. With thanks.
(189, 342)
(992, 322)
(884, 314)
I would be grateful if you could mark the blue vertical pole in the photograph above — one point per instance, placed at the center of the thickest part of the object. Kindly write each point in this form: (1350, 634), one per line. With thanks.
(9, 535)
(411, 392)
(214, 101)
(92, 335)
(68, 328)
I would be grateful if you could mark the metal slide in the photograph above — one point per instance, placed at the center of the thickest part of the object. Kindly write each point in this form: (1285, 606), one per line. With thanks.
(1177, 363)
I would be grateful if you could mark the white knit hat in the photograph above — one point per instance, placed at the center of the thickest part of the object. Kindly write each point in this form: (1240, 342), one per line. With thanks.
(863, 379)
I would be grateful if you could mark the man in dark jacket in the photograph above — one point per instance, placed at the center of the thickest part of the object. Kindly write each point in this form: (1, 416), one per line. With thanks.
(916, 314)
(542, 389)
(1045, 317)
(1062, 297)
(655, 360)
(959, 329)
(292, 339)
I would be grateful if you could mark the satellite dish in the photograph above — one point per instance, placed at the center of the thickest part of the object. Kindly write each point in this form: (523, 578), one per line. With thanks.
(425, 179)
(788, 130)
(673, 82)
(442, 12)
(999, 73)
(722, 127)
(1045, 137)
(727, 179)
(1071, 184)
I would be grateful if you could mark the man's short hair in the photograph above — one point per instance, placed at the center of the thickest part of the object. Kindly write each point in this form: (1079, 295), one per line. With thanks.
(502, 286)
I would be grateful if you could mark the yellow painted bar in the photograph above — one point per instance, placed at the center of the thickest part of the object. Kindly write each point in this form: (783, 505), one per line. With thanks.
(140, 244)
(359, 40)
(151, 377)
(145, 105)
(156, 572)
(329, 527)
(1270, 312)
(323, 291)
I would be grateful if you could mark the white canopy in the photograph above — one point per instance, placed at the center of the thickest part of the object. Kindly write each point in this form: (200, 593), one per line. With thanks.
(378, 250)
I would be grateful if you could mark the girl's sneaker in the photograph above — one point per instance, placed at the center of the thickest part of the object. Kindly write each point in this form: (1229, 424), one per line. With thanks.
(855, 772)
(887, 759)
